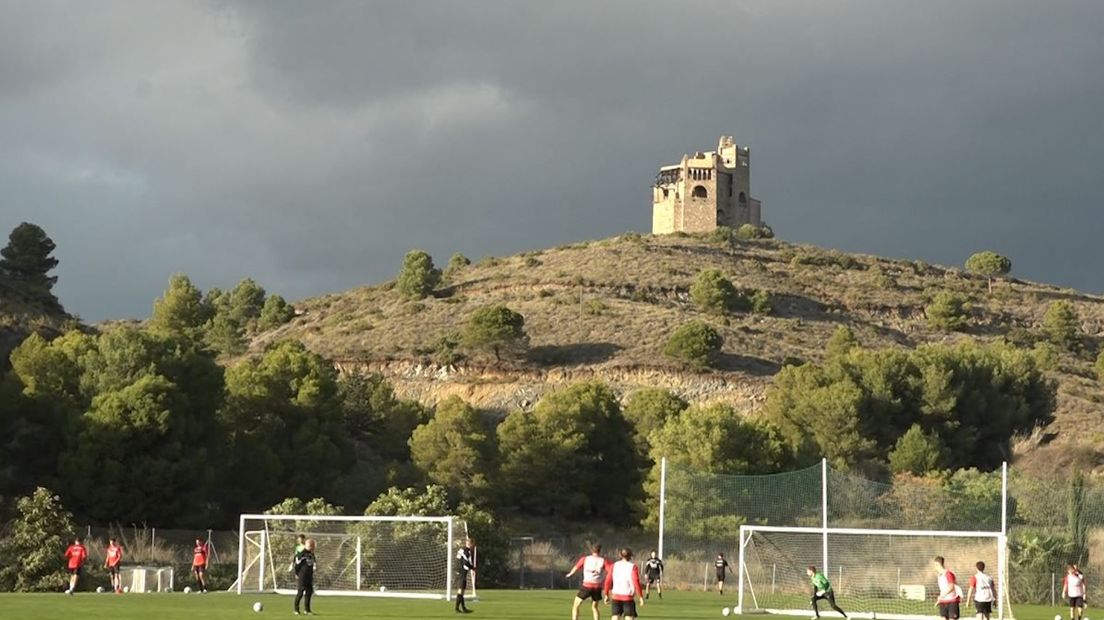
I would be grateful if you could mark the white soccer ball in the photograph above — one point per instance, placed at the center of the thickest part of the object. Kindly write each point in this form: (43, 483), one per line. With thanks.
(725, 611)
(99, 589)
(1058, 617)
(257, 607)
(383, 588)
(126, 589)
(187, 589)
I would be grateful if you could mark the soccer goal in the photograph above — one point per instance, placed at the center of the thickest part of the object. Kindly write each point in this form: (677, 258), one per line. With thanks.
(874, 573)
(147, 578)
(412, 557)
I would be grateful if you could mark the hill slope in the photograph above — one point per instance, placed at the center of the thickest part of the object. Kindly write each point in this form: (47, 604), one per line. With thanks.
(604, 309)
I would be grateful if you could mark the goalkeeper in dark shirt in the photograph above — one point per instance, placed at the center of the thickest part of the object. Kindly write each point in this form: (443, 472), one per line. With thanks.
(465, 566)
(304, 575)
(653, 570)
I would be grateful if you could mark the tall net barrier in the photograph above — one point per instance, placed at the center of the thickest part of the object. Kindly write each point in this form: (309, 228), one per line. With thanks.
(410, 557)
(887, 573)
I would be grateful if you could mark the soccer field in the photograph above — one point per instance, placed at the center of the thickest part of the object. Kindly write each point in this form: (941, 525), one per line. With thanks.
(497, 605)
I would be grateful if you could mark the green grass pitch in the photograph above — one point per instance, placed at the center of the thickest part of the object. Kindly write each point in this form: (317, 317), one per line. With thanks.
(493, 605)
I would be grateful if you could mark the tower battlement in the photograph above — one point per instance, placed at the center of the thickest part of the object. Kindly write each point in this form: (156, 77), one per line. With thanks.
(706, 190)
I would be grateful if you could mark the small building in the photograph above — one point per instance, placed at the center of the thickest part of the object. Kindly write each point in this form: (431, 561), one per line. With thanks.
(705, 191)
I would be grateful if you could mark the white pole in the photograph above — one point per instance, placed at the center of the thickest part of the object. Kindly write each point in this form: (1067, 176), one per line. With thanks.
(448, 563)
(360, 555)
(740, 577)
(662, 502)
(241, 551)
(264, 551)
(1002, 551)
(705, 578)
(824, 511)
(774, 576)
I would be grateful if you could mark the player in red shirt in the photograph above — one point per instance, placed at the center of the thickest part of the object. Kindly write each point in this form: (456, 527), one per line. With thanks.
(75, 555)
(113, 557)
(592, 566)
(199, 563)
(623, 586)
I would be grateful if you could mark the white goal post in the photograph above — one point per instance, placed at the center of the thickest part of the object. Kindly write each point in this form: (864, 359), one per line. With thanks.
(875, 573)
(405, 556)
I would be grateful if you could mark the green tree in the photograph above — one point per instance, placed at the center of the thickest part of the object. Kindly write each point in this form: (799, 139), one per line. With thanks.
(1062, 325)
(715, 439)
(1076, 520)
(712, 292)
(453, 449)
(695, 342)
(760, 302)
(225, 335)
(916, 452)
(284, 418)
(948, 311)
(455, 265)
(246, 303)
(751, 231)
(317, 507)
(26, 262)
(841, 342)
(276, 312)
(495, 328)
(180, 312)
(647, 410)
(38, 535)
(577, 429)
(989, 264)
(418, 276)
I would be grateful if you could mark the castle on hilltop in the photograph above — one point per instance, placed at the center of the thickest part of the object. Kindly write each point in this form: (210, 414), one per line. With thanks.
(705, 191)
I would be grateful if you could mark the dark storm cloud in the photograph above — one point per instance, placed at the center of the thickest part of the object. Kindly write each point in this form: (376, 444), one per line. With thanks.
(309, 145)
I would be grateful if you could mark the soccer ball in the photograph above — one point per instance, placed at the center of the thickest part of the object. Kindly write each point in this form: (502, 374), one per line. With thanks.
(99, 589)
(126, 589)
(383, 588)
(187, 589)
(726, 611)
(257, 607)
(1058, 617)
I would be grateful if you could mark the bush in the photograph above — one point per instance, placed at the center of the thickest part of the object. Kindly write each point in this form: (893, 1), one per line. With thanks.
(32, 552)
(1062, 325)
(761, 302)
(721, 234)
(1099, 366)
(455, 265)
(750, 231)
(916, 452)
(418, 276)
(947, 311)
(695, 342)
(495, 328)
(712, 292)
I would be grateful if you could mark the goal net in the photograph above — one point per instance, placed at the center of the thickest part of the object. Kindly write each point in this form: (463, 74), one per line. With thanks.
(411, 557)
(146, 578)
(874, 573)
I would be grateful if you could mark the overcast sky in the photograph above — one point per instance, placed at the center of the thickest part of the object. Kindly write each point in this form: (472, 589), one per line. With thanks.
(310, 144)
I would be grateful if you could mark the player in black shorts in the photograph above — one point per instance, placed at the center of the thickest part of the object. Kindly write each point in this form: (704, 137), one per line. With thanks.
(720, 564)
(653, 572)
(593, 567)
(465, 566)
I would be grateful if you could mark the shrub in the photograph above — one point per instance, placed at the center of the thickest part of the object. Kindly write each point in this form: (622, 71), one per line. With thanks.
(1062, 325)
(721, 234)
(988, 264)
(455, 265)
(532, 262)
(1099, 366)
(496, 328)
(32, 550)
(418, 276)
(750, 231)
(916, 452)
(947, 311)
(694, 342)
(712, 292)
(761, 302)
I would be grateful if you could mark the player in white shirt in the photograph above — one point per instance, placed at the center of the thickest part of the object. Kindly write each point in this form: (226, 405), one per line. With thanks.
(623, 586)
(982, 591)
(593, 566)
(949, 593)
(1073, 588)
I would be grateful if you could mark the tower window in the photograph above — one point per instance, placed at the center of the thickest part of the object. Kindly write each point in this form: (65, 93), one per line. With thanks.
(700, 192)
(743, 200)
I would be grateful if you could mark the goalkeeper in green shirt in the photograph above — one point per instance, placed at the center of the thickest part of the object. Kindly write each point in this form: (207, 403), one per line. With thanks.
(822, 589)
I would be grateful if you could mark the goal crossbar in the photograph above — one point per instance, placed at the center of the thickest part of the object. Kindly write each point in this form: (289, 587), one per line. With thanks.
(861, 531)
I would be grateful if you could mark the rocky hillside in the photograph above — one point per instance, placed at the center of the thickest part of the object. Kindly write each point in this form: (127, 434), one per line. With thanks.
(18, 319)
(603, 310)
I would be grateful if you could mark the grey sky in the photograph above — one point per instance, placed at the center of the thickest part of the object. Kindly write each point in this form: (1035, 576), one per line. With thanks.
(310, 144)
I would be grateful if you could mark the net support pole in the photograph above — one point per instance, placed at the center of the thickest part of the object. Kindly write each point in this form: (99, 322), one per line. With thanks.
(824, 512)
(740, 574)
(264, 551)
(448, 561)
(360, 556)
(662, 503)
(241, 551)
(1002, 549)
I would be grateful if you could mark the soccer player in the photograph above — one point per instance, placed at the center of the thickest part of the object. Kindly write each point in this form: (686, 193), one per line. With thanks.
(113, 557)
(653, 570)
(465, 566)
(199, 563)
(623, 583)
(721, 564)
(304, 575)
(822, 589)
(982, 592)
(949, 593)
(1073, 588)
(76, 554)
(593, 566)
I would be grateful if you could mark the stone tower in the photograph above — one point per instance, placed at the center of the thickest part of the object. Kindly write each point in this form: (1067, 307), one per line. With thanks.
(705, 191)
